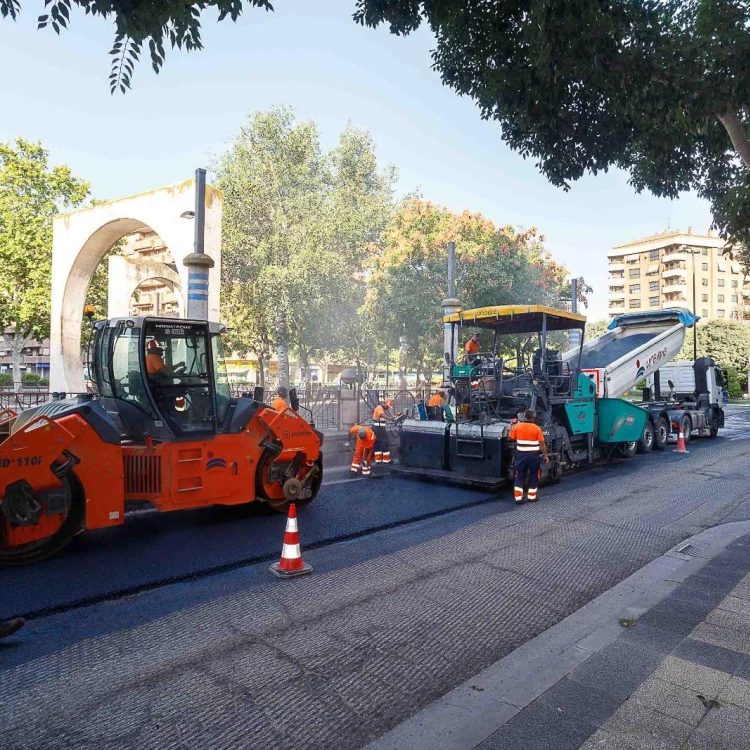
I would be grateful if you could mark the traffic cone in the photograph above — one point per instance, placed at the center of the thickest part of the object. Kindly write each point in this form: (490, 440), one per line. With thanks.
(680, 444)
(291, 564)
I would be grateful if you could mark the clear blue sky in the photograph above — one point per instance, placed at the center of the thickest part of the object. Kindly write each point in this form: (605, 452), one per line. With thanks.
(310, 55)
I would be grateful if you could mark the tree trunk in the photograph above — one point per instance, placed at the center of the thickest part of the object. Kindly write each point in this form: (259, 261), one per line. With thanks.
(737, 135)
(262, 373)
(16, 343)
(282, 347)
(304, 363)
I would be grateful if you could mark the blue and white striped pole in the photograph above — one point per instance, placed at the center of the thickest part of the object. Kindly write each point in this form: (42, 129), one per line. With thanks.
(198, 263)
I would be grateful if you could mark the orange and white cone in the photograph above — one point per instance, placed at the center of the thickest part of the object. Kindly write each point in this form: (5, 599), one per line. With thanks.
(290, 564)
(681, 444)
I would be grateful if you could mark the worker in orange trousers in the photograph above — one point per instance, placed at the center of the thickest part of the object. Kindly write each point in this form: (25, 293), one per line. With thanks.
(380, 418)
(363, 450)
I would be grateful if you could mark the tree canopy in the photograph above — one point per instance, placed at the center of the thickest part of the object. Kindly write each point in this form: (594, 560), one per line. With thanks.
(494, 267)
(31, 194)
(299, 224)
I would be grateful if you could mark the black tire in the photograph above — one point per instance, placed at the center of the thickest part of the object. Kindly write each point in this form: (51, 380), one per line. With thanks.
(661, 433)
(713, 432)
(687, 429)
(646, 443)
(628, 450)
(74, 522)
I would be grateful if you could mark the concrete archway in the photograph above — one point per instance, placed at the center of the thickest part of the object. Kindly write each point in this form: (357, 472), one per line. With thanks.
(82, 238)
(126, 275)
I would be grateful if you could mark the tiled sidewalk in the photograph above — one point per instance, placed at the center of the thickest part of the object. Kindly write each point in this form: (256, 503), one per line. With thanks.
(680, 678)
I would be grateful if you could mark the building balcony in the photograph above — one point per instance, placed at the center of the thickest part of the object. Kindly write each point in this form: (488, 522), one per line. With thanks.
(616, 295)
(675, 288)
(671, 256)
(616, 267)
(746, 292)
(672, 303)
(668, 273)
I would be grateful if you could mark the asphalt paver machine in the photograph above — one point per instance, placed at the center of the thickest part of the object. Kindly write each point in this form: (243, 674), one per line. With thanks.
(162, 429)
(523, 369)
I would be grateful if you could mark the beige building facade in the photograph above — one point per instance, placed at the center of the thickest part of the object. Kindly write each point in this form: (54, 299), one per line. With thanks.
(657, 273)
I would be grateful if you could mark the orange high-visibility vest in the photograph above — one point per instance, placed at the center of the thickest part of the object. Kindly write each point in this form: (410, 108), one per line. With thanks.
(529, 438)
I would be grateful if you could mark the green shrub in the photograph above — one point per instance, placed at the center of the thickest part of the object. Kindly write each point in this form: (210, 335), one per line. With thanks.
(44, 382)
(6, 379)
(30, 378)
(735, 383)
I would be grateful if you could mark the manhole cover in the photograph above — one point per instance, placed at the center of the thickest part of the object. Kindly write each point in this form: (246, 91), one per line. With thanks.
(689, 549)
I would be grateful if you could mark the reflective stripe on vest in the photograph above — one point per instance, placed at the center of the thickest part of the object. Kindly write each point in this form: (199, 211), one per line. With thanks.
(527, 446)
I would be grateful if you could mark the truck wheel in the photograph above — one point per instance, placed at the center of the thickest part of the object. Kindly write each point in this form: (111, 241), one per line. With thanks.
(661, 433)
(628, 450)
(713, 432)
(646, 443)
(687, 429)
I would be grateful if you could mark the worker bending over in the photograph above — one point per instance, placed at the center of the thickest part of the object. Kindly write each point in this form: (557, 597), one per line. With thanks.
(530, 447)
(380, 418)
(435, 406)
(363, 450)
(279, 403)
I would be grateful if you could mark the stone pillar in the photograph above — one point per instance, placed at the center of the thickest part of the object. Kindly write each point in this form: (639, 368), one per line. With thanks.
(450, 336)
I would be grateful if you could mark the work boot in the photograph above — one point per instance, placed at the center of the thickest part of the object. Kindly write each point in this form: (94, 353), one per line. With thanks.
(8, 627)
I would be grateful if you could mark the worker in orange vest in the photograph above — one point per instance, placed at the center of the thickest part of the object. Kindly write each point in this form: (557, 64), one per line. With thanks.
(279, 403)
(435, 405)
(380, 418)
(363, 450)
(471, 349)
(530, 447)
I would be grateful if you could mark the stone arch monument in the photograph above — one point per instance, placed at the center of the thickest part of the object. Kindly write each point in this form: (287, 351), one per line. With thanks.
(82, 238)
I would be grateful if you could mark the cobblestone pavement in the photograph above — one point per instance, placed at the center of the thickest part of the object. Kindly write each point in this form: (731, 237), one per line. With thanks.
(680, 678)
(337, 658)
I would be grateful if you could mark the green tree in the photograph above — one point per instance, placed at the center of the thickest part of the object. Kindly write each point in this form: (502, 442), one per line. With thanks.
(595, 329)
(726, 341)
(31, 194)
(299, 227)
(493, 267)
(735, 383)
(660, 88)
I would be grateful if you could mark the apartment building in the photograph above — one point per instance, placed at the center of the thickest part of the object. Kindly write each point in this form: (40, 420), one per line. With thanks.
(153, 297)
(658, 272)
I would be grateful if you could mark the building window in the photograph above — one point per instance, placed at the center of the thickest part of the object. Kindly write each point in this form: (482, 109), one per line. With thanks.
(634, 273)
(704, 251)
(735, 283)
(705, 298)
(719, 313)
(704, 312)
(618, 303)
(733, 315)
(733, 298)
(654, 255)
(633, 303)
(704, 266)
(617, 259)
(720, 282)
(653, 301)
(721, 298)
(653, 286)
(704, 282)
(635, 288)
(633, 261)
(615, 289)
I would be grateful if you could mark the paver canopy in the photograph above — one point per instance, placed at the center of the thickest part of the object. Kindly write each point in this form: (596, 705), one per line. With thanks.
(82, 238)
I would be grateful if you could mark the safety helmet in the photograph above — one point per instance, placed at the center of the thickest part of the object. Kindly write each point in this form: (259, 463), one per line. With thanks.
(362, 433)
(389, 403)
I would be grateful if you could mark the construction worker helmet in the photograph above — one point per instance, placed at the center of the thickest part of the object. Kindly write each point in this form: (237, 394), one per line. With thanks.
(362, 433)
(389, 403)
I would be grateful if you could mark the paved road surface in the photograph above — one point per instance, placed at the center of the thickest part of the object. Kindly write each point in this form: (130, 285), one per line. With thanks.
(391, 619)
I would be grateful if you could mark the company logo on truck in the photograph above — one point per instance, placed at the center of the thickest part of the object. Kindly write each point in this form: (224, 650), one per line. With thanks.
(652, 363)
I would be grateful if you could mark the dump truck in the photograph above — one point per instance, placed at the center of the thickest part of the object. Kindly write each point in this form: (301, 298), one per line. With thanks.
(522, 370)
(162, 429)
